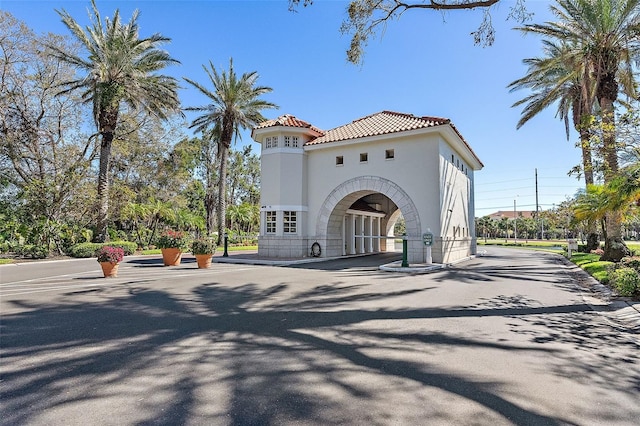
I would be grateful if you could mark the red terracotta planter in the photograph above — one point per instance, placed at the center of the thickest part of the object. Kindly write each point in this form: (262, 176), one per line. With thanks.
(171, 256)
(110, 270)
(204, 260)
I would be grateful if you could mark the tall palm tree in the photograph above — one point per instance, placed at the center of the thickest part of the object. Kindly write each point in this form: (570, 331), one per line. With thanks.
(235, 104)
(561, 77)
(608, 33)
(120, 68)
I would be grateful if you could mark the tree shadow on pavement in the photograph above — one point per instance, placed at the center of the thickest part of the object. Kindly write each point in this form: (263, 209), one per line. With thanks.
(251, 355)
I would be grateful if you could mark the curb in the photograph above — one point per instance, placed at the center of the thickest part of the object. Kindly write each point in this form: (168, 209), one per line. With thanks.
(619, 310)
(423, 268)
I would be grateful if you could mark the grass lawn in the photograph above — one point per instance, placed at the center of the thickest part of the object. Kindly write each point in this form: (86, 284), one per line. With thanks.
(5, 261)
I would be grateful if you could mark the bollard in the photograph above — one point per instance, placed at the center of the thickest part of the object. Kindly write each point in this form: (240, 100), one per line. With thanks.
(405, 263)
(226, 241)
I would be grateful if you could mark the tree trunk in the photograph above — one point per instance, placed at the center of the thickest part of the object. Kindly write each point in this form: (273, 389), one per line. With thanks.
(614, 247)
(101, 235)
(593, 241)
(210, 200)
(222, 192)
(107, 120)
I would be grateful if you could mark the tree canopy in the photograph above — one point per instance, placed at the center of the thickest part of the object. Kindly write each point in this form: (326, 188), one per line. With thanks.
(367, 18)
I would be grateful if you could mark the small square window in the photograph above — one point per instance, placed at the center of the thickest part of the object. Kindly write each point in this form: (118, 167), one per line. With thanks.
(294, 141)
(271, 222)
(289, 222)
(389, 154)
(339, 160)
(267, 142)
(287, 141)
(274, 142)
(364, 157)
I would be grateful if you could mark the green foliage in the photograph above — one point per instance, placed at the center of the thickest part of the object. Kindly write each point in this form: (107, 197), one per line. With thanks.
(128, 246)
(626, 280)
(173, 239)
(631, 262)
(599, 270)
(33, 251)
(84, 250)
(584, 258)
(203, 246)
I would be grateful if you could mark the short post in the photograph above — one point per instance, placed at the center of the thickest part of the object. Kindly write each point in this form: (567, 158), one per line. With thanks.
(405, 263)
(226, 245)
(427, 239)
(572, 246)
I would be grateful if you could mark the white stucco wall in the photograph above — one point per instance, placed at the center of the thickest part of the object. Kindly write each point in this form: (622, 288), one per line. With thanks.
(414, 168)
(429, 178)
(457, 236)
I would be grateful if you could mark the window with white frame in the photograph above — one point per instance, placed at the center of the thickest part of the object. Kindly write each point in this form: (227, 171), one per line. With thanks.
(274, 141)
(287, 141)
(289, 222)
(294, 141)
(267, 142)
(271, 222)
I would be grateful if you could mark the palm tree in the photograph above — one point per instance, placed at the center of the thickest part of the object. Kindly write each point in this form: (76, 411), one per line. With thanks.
(607, 33)
(235, 104)
(561, 77)
(120, 69)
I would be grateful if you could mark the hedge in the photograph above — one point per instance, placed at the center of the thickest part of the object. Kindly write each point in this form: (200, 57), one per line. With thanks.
(89, 249)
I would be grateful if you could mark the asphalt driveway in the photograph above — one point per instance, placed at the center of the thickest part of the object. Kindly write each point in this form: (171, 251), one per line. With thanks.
(507, 338)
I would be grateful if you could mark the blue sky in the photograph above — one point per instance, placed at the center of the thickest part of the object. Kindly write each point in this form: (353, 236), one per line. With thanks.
(424, 64)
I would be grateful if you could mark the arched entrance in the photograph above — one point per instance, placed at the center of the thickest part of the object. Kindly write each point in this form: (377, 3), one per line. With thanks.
(331, 228)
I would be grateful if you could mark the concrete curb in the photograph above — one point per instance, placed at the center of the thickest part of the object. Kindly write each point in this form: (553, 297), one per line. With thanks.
(620, 310)
(238, 259)
(422, 268)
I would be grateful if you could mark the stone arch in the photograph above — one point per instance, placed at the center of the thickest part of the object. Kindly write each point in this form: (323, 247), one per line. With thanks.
(330, 216)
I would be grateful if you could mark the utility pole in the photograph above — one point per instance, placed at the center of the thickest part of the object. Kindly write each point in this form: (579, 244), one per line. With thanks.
(538, 207)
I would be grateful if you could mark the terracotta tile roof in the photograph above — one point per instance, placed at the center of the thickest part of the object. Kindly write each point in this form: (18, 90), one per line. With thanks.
(381, 123)
(289, 120)
(509, 214)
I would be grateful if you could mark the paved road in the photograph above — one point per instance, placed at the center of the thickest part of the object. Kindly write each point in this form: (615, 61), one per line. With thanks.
(503, 339)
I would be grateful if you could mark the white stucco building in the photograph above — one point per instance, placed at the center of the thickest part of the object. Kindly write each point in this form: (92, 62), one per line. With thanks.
(345, 188)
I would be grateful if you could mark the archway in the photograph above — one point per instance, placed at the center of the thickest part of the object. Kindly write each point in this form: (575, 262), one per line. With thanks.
(330, 221)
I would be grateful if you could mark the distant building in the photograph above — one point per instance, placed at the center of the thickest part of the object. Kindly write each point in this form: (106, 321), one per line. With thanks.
(509, 214)
(341, 191)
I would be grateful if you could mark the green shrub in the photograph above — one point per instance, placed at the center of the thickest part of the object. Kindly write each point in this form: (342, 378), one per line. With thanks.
(626, 280)
(128, 246)
(34, 251)
(84, 249)
(631, 262)
(90, 249)
(203, 246)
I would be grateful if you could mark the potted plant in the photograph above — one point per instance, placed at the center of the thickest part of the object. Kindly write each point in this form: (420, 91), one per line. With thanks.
(110, 258)
(203, 249)
(172, 243)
